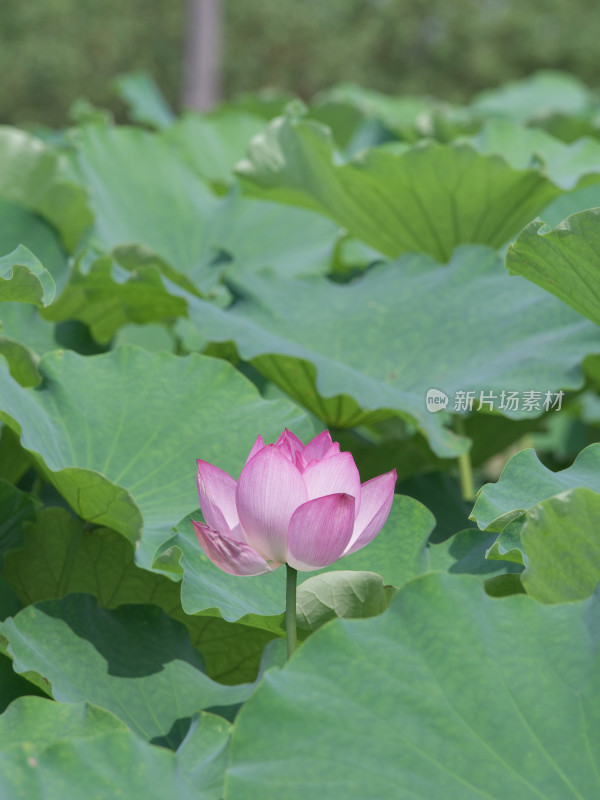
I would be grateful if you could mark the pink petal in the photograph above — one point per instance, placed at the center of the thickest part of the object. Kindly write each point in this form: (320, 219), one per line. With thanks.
(318, 446)
(289, 444)
(320, 531)
(335, 475)
(299, 461)
(268, 492)
(236, 558)
(376, 501)
(256, 447)
(216, 490)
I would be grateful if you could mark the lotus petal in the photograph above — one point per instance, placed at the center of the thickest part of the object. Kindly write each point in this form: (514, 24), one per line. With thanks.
(320, 531)
(236, 558)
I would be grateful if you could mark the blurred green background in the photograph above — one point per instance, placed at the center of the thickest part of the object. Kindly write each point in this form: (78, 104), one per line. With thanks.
(55, 51)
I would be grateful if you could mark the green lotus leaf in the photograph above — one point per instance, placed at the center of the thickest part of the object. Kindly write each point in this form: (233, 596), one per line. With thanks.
(446, 695)
(534, 97)
(429, 198)
(32, 176)
(564, 261)
(525, 481)
(23, 279)
(147, 104)
(134, 661)
(165, 208)
(346, 594)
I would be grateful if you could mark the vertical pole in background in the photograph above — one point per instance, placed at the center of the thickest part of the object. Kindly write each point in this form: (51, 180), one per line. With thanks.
(203, 54)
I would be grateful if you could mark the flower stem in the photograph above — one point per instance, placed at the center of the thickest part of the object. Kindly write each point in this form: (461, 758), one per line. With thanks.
(465, 469)
(290, 610)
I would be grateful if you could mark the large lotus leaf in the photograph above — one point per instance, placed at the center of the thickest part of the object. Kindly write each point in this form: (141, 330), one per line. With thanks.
(446, 696)
(214, 143)
(344, 593)
(561, 539)
(70, 751)
(134, 661)
(142, 191)
(564, 261)
(31, 175)
(565, 164)
(375, 346)
(429, 198)
(147, 104)
(58, 557)
(397, 554)
(542, 93)
(525, 481)
(20, 226)
(23, 279)
(118, 434)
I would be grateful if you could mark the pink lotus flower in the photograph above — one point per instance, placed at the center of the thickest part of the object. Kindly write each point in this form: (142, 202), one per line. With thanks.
(294, 503)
